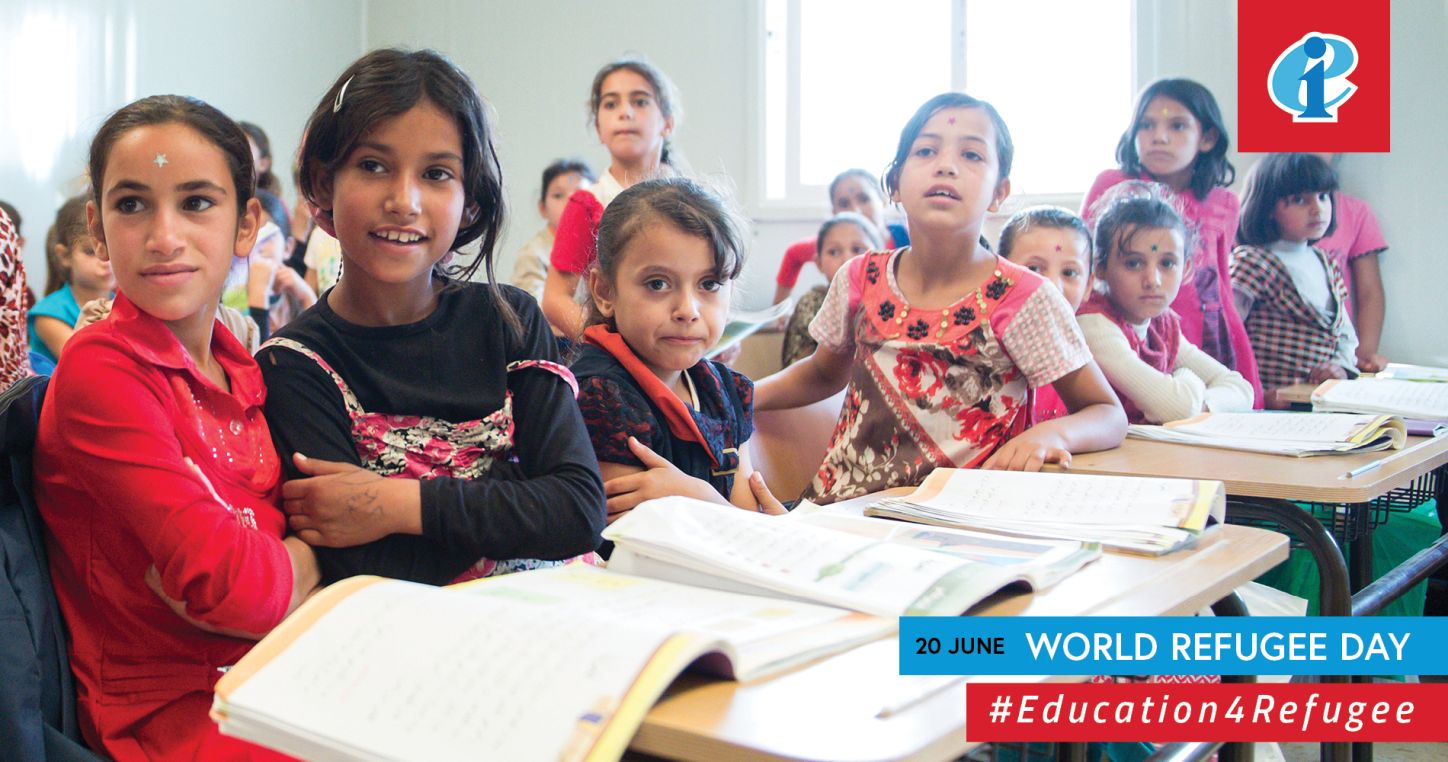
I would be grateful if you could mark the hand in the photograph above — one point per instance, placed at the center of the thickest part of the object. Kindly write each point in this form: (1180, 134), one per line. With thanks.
(1028, 452)
(338, 505)
(94, 310)
(1324, 372)
(1272, 400)
(766, 499)
(286, 280)
(153, 581)
(1370, 362)
(660, 478)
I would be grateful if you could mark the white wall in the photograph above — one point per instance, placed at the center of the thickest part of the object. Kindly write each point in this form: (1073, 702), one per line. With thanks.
(69, 63)
(534, 62)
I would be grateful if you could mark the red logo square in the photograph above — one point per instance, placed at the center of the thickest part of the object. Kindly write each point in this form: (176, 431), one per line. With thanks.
(1312, 75)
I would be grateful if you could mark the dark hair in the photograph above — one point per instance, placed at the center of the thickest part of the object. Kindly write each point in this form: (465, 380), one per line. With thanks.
(870, 179)
(13, 214)
(387, 83)
(1277, 176)
(1005, 149)
(872, 233)
(664, 91)
(216, 127)
(69, 228)
(563, 167)
(1211, 168)
(1129, 208)
(264, 180)
(276, 209)
(1037, 217)
(687, 205)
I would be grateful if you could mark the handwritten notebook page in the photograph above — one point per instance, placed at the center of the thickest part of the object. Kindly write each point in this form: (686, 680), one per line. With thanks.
(838, 569)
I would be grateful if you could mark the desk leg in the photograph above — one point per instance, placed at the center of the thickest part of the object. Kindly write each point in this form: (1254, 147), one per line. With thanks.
(1334, 597)
(1360, 550)
(1070, 752)
(1232, 605)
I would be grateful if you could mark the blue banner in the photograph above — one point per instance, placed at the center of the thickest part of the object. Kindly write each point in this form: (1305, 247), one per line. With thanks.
(1173, 645)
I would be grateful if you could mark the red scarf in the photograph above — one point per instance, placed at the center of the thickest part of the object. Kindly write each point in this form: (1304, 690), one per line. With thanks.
(1158, 349)
(676, 413)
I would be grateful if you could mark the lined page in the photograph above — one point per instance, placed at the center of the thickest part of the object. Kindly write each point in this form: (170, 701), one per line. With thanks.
(1381, 395)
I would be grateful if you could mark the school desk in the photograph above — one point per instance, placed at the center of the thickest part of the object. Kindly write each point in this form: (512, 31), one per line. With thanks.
(828, 710)
(1297, 394)
(1263, 487)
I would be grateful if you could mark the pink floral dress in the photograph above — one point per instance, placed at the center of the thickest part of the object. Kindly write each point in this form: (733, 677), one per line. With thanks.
(938, 387)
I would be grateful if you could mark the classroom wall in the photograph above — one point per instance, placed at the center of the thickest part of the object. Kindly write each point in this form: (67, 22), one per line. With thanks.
(534, 62)
(266, 61)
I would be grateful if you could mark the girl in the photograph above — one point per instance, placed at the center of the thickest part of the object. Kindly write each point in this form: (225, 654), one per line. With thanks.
(843, 237)
(438, 430)
(261, 156)
(1355, 245)
(942, 342)
(154, 469)
(1054, 244)
(86, 276)
(560, 180)
(853, 190)
(1141, 245)
(1177, 138)
(635, 109)
(1290, 292)
(664, 420)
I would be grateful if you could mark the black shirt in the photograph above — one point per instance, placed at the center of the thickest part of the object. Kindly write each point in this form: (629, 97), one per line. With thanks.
(451, 365)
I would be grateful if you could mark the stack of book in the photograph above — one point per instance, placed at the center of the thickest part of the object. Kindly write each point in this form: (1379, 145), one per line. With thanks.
(1296, 434)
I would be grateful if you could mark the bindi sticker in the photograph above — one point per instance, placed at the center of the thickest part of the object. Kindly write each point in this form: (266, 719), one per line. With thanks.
(161, 160)
(1153, 247)
(951, 120)
(1058, 247)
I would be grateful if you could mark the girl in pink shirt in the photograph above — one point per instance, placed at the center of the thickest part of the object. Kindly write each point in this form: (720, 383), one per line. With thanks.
(1177, 137)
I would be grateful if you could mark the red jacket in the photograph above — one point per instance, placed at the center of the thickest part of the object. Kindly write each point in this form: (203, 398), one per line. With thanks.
(126, 417)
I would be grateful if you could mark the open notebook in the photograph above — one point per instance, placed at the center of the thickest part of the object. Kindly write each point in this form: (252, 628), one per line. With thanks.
(1391, 396)
(1297, 434)
(558, 663)
(1405, 372)
(742, 325)
(1126, 513)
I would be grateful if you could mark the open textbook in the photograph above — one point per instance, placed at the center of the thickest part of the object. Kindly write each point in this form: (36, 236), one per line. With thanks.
(850, 562)
(742, 325)
(558, 663)
(1128, 513)
(564, 663)
(1297, 434)
(1391, 396)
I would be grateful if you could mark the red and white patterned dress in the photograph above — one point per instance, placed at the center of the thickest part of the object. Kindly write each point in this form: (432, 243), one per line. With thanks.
(14, 337)
(939, 387)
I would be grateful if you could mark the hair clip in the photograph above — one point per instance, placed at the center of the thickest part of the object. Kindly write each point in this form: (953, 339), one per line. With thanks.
(337, 104)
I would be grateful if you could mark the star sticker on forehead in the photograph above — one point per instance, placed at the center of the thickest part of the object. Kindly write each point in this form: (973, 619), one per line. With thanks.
(161, 160)
(1164, 112)
(1153, 247)
(951, 120)
(1058, 247)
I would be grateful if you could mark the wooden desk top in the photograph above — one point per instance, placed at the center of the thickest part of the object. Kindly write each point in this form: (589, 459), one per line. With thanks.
(828, 710)
(1297, 393)
(1250, 474)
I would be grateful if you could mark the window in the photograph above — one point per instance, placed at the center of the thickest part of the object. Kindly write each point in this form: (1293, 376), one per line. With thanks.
(841, 77)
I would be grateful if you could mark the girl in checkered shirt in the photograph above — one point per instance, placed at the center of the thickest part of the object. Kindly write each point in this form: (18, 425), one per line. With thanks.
(1291, 294)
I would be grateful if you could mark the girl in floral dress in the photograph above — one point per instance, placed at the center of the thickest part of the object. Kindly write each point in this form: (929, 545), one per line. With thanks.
(942, 343)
